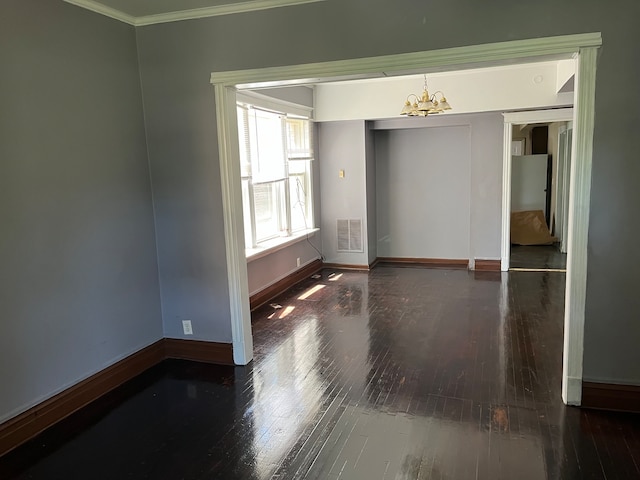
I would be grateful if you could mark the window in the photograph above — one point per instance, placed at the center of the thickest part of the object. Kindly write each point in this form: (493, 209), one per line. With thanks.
(275, 166)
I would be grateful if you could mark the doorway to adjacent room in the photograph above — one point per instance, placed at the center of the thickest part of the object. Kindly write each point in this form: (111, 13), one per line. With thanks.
(540, 174)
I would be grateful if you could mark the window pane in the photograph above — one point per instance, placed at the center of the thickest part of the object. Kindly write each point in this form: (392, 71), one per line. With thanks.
(268, 200)
(298, 167)
(268, 163)
(298, 138)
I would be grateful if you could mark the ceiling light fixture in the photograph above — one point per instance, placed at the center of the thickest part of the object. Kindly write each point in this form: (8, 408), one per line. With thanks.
(425, 104)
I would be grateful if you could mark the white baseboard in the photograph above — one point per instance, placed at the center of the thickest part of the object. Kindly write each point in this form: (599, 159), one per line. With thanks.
(572, 391)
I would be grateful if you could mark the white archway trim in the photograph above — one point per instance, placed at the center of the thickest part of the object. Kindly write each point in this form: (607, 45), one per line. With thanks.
(579, 203)
(233, 225)
(473, 56)
(505, 234)
(445, 59)
(539, 116)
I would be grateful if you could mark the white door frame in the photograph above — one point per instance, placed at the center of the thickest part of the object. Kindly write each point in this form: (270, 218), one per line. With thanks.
(566, 175)
(582, 45)
(561, 190)
(511, 119)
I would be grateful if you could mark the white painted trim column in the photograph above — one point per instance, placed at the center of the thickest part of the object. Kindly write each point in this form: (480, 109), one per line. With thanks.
(233, 224)
(505, 244)
(579, 203)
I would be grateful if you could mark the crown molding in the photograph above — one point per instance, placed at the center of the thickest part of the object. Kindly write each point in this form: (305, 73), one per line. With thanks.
(213, 11)
(103, 10)
(230, 9)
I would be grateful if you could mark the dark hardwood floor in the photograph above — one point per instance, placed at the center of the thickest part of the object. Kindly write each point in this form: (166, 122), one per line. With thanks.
(406, 373)
(538, 256)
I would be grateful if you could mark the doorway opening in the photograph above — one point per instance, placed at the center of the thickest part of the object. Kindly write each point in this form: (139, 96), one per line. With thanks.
(581, 46)
(540, 173)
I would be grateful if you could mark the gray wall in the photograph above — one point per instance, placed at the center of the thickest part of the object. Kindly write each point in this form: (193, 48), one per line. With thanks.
(487, 131)
(176, 62)
(267, 270)
(183, 152)
(480, 203)
(341, 146)
(423, 200)
(78, 281)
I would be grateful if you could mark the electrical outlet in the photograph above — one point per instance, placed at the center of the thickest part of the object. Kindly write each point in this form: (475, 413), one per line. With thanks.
(186, 327)
(298, 262)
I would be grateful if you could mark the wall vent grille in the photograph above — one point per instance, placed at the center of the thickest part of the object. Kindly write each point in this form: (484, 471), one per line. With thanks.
(350, 235)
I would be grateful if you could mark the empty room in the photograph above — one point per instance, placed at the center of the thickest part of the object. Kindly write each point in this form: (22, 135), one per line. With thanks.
(252, 240)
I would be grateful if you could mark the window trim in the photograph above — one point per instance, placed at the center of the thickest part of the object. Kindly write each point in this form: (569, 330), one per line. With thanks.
(273, 245)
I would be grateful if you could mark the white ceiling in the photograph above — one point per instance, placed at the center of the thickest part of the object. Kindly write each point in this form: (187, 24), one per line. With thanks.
(147, 12)
(526, 86)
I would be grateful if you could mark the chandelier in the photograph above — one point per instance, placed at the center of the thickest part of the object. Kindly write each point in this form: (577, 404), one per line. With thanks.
(425, 104)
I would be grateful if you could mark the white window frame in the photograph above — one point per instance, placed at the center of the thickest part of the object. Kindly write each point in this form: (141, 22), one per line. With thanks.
(261, 246)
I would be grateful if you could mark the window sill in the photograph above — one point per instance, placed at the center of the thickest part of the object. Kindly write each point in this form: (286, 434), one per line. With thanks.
(275, 244)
